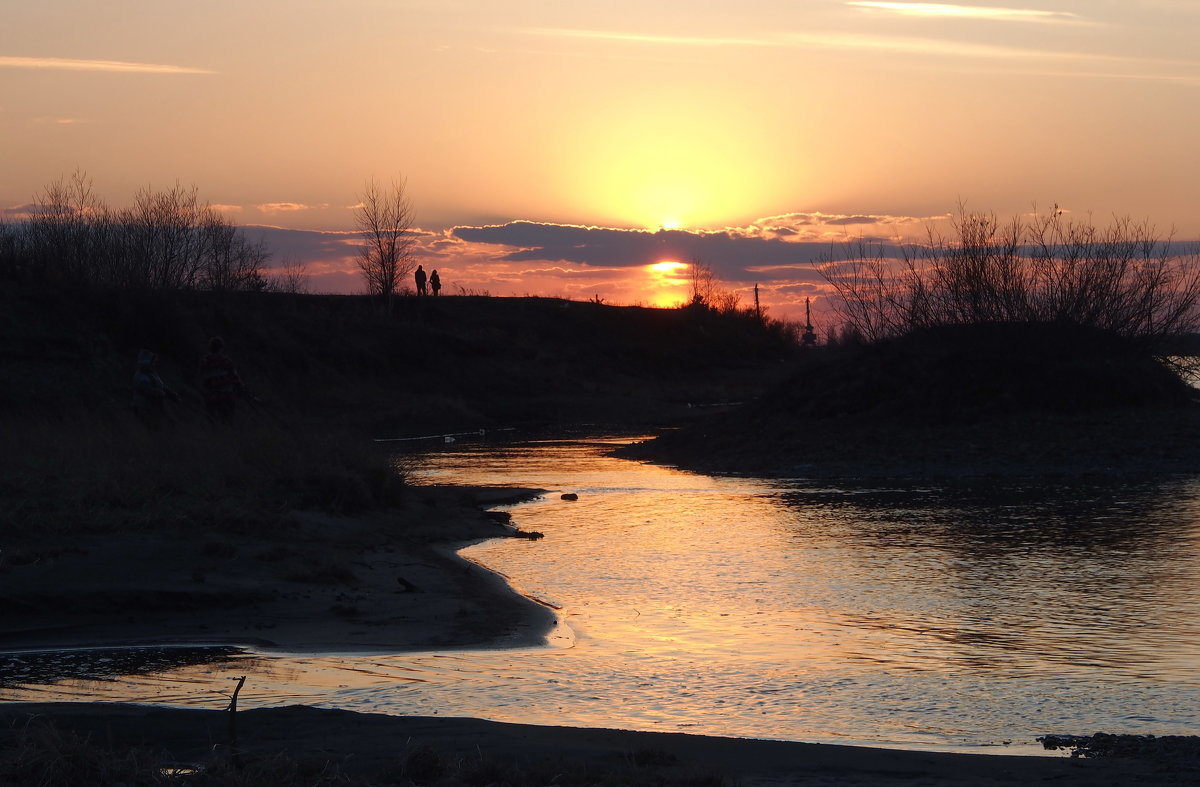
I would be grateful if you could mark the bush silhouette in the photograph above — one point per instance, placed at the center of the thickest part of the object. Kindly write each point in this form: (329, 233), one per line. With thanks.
(1121, 278)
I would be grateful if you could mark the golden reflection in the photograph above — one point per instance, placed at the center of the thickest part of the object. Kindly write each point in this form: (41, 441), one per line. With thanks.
(733, 606)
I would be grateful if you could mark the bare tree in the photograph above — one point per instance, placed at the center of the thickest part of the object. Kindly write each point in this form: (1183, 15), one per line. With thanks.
(1123, 278)
(65, 229)
(166, 240)
(230, 260)
(12, 251)
(708, 291)
(290, 277)
(166, 252)
(385, 217)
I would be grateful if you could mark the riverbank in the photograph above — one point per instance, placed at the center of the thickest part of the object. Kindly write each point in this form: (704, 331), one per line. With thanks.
(332, 747)
(1115, 444)
(1044, 401)
(386, 579)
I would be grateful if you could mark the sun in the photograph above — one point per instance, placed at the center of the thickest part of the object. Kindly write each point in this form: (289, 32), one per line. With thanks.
(666, 268)
(668, 283)
(640, 167)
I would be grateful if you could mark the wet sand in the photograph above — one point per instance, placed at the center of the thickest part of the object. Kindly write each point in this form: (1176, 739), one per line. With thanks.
(383, 581)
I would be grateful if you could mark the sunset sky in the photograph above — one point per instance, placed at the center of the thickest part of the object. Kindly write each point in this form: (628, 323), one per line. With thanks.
(565, 148)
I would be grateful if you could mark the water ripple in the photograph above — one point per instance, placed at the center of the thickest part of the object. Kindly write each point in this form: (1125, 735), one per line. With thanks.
(920, 616)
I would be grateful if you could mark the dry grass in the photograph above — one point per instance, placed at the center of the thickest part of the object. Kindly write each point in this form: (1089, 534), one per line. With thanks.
(41, 755)
(80, 475)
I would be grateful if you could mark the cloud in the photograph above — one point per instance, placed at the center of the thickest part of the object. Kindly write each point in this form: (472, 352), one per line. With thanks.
(844, 220)
(934, 46)
(337, 249)
(16, 212)
(621, 248)
(778, 253)
(735, 253)
(52, 121)
(110, 66)
(1044, 62)
(967, 11)
(826, 226)
(282, 207)
(645, 38)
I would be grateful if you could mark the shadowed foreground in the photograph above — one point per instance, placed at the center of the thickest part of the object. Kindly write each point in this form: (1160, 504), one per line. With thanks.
(1012, 400)
(300, 745)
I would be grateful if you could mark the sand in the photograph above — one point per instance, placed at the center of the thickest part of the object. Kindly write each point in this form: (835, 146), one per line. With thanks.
(385, 580)
(393, 581)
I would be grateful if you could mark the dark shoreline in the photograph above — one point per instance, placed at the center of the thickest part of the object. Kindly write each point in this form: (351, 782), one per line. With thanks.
(1113, 444)
(360, 744)
(322, 583)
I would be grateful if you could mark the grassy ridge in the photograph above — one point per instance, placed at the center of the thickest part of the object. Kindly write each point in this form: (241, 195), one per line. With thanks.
(94, 475)
(332, 371)
(445, 363)
(996, 399)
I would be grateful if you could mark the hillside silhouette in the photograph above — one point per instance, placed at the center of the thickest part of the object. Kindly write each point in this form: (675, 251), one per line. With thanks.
(431, 365)
(959, 400)
(975, 372)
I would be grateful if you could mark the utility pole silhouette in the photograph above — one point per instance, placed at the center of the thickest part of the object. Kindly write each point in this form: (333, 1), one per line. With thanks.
(809, 338)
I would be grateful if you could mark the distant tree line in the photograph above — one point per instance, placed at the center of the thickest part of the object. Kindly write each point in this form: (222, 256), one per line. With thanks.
(708, 291)
(1122, 278)
(711, 299)
(168, 240)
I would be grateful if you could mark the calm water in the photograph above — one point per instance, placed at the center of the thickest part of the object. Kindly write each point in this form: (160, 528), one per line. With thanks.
(964, 617)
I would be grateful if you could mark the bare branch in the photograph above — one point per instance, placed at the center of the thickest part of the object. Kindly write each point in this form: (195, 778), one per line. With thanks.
(385, 218)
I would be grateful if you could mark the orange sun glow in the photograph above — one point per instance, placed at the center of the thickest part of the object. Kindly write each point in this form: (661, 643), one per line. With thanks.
(668, 283)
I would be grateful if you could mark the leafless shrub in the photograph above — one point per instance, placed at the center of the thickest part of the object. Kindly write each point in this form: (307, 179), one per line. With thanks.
(166, 240)
(12, 252)
(708, 291)
(1123, 278)
(176, 242)
(291, 277)
(66, 237)
(97, 474)
(230, 260)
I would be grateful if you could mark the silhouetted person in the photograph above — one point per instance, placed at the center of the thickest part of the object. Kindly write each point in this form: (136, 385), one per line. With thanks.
(219, 381)
(435, 282)
(150, 394)
(420, 277)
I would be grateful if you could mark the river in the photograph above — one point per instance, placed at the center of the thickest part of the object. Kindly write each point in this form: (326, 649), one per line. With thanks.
(962, 617)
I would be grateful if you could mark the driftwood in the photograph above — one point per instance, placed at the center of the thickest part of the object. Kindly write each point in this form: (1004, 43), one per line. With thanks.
(235, 753)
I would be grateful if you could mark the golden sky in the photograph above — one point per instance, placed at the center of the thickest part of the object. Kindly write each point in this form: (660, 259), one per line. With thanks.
(544, 143)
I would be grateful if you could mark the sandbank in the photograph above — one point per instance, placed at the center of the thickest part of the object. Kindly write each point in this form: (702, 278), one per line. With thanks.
(386, 580)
